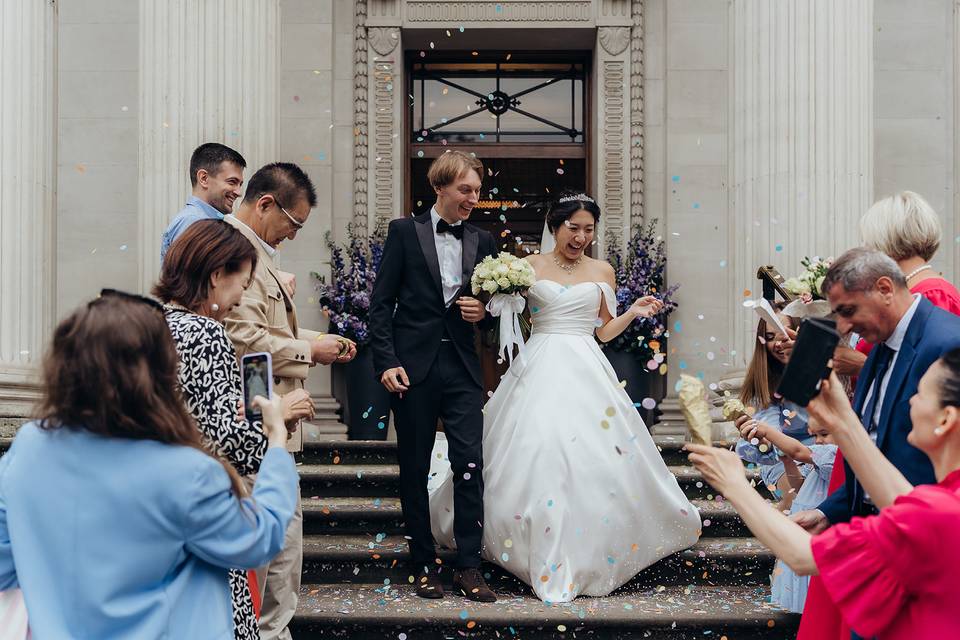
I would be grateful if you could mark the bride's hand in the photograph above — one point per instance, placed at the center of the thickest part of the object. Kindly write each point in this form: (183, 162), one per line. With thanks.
(646, 307)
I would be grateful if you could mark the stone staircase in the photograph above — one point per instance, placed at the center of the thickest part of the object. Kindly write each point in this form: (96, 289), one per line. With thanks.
(356, 584)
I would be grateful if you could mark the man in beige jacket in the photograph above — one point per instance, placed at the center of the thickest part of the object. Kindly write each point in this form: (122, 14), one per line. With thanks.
(276, 205)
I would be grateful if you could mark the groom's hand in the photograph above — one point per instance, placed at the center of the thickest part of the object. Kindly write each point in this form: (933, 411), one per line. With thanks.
(471, 309)
(395, 380)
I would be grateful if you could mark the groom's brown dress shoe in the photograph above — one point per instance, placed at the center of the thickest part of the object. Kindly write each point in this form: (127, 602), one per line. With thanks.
(429, 585)
(471, 584)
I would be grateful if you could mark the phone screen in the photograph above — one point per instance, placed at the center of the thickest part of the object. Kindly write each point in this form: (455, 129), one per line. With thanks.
(257, 380)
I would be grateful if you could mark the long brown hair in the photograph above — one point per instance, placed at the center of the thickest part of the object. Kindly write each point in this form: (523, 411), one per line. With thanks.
(112, 370)
(763, 373)
(206, 245)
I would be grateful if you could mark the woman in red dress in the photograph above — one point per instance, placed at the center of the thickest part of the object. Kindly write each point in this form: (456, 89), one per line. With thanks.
(892, 576)
(906, 228)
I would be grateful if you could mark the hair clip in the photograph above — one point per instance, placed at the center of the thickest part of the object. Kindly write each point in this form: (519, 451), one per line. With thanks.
(580, 197)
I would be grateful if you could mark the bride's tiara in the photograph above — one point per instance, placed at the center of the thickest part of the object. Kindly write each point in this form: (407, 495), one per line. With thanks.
(580, 197)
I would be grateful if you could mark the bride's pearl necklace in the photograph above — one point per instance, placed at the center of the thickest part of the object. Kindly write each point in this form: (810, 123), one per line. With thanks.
(567, 267)
(918, 270)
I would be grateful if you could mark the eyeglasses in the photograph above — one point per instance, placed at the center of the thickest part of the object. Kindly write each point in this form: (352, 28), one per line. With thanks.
(296, 223)
(133, 297)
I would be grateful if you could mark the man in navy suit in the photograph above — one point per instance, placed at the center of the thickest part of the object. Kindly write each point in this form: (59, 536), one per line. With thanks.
(869, 295)
(422, 332)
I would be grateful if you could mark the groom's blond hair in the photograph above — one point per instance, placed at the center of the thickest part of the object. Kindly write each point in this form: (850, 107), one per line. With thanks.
(451, 165)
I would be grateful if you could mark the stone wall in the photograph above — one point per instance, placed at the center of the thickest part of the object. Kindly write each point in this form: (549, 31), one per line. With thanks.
(326, 80)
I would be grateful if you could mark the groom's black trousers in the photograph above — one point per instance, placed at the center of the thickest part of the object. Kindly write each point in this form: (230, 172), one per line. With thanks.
(449, 393)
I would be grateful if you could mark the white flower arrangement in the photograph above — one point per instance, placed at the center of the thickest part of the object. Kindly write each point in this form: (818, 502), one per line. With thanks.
(504, 277)
(504, 273)
(807, 287)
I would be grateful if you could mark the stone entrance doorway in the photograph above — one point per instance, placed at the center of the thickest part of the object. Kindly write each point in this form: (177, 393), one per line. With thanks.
(525, 115)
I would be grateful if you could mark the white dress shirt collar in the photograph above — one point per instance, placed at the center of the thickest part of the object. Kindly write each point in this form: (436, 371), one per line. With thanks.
(435, 218)
(900, 332)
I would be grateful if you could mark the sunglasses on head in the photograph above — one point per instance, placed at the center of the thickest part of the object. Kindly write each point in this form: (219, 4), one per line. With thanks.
(133, 297)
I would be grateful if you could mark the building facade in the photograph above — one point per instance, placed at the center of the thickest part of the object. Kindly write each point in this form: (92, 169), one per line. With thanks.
(754, 132)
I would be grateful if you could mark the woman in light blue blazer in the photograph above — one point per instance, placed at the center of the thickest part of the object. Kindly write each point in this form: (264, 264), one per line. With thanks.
(114, 520)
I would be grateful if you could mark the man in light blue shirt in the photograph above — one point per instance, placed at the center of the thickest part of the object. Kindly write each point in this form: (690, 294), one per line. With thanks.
(216, 174)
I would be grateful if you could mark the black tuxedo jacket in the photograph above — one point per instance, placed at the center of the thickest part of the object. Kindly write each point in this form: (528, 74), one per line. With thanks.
(408, 317)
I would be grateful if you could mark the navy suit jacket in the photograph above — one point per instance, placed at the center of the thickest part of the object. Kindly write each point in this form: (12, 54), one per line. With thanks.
(408, 317)
(931, 333)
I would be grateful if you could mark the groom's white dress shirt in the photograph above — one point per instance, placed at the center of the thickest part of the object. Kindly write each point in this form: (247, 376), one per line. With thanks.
(450, 256)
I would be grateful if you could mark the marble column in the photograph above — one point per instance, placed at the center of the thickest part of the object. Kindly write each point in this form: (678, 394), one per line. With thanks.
(208, 73)
(801, 150)
(27, 190)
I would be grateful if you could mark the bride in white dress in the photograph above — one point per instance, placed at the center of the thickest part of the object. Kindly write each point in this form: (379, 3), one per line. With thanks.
(577, 499)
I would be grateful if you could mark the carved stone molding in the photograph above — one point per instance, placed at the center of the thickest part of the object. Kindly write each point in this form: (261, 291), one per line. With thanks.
(613, 160)
(636, 115)
(613, 12)
(502, 11)
(382, 11)
(383, 40)
(360, 115)
(383, 140)
(614, 40)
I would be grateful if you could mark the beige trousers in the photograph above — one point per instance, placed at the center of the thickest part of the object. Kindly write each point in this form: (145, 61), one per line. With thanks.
(279, 582)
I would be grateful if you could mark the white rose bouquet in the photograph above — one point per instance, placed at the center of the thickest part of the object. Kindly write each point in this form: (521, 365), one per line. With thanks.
(504, 278)
(504, 273)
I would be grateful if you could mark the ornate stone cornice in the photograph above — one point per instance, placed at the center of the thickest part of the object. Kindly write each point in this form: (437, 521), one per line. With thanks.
(614, 40)
(500, 11)
(383, 40)
(360, 115)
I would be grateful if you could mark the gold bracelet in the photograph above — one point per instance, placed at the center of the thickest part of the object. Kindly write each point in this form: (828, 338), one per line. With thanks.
(320, 335)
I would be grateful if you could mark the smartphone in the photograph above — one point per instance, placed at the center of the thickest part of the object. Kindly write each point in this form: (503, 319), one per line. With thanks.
(257, 372)
(809, 362)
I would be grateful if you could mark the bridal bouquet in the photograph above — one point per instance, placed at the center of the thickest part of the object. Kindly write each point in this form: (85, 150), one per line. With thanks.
(504, 277)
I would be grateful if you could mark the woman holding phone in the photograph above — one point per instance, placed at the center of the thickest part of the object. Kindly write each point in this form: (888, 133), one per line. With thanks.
(891, 575)
(116, 520)
(204, 275)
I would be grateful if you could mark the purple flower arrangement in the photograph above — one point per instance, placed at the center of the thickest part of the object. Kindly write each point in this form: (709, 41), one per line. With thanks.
(639, 272)
(353, 268)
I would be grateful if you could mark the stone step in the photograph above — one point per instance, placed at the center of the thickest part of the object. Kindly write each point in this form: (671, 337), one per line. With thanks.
(328, 451)
(378, 480)
(373, 558)
(366, 515)
(362, 612)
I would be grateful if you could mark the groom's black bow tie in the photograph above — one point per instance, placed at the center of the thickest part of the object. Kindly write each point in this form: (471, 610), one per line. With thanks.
(445, 227)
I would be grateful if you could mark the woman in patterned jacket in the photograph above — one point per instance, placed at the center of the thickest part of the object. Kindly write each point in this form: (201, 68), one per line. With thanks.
(203, 277)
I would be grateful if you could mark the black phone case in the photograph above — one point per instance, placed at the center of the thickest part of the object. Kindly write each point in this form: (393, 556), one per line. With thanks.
(817, 339)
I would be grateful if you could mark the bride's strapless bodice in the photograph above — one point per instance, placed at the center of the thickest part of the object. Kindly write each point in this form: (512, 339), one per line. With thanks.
(567, 309)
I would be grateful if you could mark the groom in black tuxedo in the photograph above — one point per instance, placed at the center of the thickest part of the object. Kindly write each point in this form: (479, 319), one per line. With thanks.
(422, 333)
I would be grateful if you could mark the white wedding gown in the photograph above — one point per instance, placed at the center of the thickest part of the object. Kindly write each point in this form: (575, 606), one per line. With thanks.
(577, 499)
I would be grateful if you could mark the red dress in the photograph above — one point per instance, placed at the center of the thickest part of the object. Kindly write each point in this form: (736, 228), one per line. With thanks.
(821, 620)
(894, 575)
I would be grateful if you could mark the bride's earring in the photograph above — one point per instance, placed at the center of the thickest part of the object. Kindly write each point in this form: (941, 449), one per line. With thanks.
(214, 307)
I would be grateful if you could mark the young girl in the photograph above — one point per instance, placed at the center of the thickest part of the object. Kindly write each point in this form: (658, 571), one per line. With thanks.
(760, 383)
(788, 589)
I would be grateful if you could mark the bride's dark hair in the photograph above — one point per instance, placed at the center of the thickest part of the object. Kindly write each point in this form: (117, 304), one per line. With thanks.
(567, 204)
